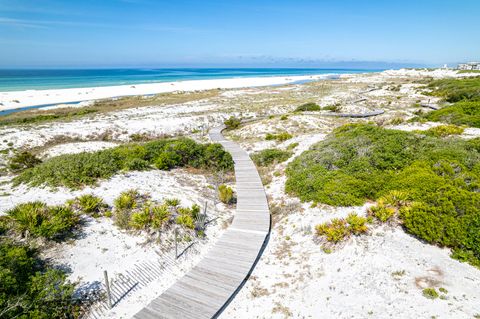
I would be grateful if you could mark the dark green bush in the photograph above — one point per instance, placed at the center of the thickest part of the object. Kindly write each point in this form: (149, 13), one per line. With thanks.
(460, 113)
(308, 107)
(441, 179)
(39, 220)
(22, 160)
(281, 137)
(29, 288)
(75, 170)
(270, 156)
(232, 123)
(455, 90)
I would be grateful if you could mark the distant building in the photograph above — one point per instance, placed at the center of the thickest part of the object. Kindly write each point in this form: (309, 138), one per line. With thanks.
(469, 66)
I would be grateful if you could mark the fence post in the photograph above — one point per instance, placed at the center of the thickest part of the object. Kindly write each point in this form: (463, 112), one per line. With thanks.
(109, 296)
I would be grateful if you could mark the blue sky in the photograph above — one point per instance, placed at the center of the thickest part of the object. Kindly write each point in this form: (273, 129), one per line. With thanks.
(123, 33)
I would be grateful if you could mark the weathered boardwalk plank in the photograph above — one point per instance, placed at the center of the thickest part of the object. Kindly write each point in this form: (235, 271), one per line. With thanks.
(208, 288)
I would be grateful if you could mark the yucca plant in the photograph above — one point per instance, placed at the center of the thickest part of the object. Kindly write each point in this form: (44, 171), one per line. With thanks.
(126, 200)
(91, 204)
(160, 216)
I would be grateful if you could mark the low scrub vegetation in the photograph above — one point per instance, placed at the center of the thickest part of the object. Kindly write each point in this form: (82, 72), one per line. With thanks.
(22, 160)
(444, 130)
(339, 229)
(232, 123)
(135, 211)
(76, 170)
(30, 288)
(433, 184)
(281, 137)
(308, 107)
(270, 156)
(465, 94)
(36, 219)
(225, 194)
(40, 116)
(89, 204)
(460, 113)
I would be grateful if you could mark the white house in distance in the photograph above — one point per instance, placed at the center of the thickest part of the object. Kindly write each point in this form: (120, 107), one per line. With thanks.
(469, 66)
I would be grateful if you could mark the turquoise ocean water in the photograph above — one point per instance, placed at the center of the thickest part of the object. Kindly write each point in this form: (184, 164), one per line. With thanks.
(16, 80)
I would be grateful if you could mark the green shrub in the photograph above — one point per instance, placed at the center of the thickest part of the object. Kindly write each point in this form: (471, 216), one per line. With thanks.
(308, 107)
(336, 230)
(270, 156)
(460, 113)
(333, 108)
(225, 194)
(430, 293)
(160, 216)
(37, 289)
(283, 117)
(356, 224)
(382, 212)
(433, 183)
(141, 219)
(39, 220)
(455, 90)
(22, 160)
(281, 137)
(76, 170)
(232, 123)
(172, 202)
(444, 130)
(126, 200)
(292, 146)
(91, 204)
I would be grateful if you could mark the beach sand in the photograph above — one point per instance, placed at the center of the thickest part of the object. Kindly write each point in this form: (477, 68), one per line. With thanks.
(19, 99)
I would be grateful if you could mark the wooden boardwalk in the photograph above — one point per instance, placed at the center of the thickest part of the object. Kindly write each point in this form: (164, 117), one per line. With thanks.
(209, 287)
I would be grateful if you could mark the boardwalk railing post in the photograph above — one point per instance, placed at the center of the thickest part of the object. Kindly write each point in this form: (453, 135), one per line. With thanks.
(109, 296)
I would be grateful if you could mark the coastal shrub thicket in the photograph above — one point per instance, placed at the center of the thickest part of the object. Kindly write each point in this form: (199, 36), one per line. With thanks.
(281, 137)
(439, 177)
(232, 123)
(464, 93)
(76, 170)
(39, 220)
(22, 160)
(308, 107)
(30, 288)
(270, 156)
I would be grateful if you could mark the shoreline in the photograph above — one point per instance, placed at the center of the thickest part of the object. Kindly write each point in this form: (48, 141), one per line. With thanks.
(14, 100)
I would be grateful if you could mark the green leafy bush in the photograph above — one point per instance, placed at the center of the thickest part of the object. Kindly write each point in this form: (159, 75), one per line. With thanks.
(39, 220)
(430, 293)
(308, 107)
(356, 224)
(22, 160)
(281, 137)
(30, 288)
(126, 200)
(270, 156)
(336, 230)
(232, 123)
(455, 90)
(460, 113)
(76, 170)
(444, 130)
(91, 204)
(433, 183)
(225, 194)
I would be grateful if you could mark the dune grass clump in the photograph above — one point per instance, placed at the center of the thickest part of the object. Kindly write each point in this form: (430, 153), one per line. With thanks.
(311, 106)
(136, 211)
(36, 219)
(76, 170)
(338, 229)
(225, 194)
(22, 160)
(89, 204)
(430, 183)
(270, 156)
(430, 293)
(281, 137)
(443, 130)
(31, 288)
(232, 123)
